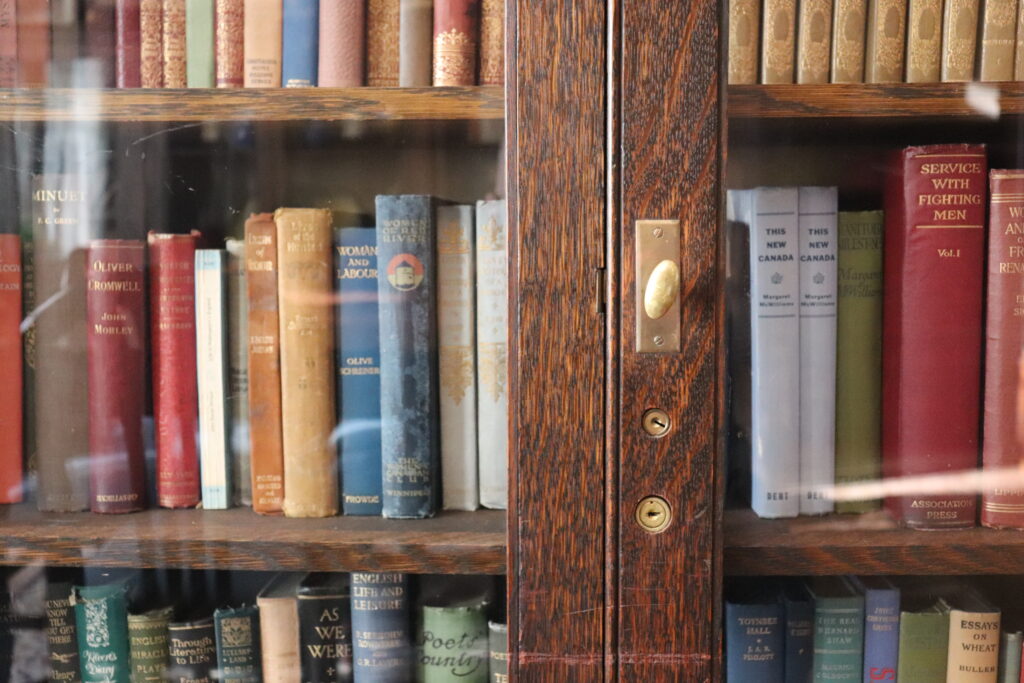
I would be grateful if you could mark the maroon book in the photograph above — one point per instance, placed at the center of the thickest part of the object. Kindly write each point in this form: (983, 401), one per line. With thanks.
(129, 45)
(33, 43)
(100, 39)
(456, 27)
(8, 44)
(11, 442)
(175, 396)
(115, 314)
(932, 322)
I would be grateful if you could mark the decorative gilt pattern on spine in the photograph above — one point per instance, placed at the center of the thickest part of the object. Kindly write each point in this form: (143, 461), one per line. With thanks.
(998, 38)
(382, 43)
(848, 41)
(959, 39)
(454, 55)
(887, 24)
(1018, 65)
(151, 22)
(924, 41)
(492, 42)
(778, 41)
(744, 34)
(229, 37)
(174, 44)
(814, 41)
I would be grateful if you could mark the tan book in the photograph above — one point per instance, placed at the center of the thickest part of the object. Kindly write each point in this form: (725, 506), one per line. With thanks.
(279, 629)
(959, 39)
(814, 41)
(261, 44)
(778, 41)
(151, 47)
(973, 654)
(306, 323)
(887, 24)
(382, 43)
(415, 35)
(848, 28)
(174, 44)
(924, 41)
(492, 42)
(744, 37)
(998, 39)
(1018, 60)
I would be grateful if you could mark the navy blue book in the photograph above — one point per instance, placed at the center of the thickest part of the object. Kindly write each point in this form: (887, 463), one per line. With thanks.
(754, 636)
(881, 627)
(300, 43)
(358, 362)
(799, 614)
(381, 642)
(409, 399)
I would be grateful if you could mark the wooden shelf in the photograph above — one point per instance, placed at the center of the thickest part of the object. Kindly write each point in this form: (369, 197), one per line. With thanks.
(451, 543)
(865, 544)
(876, 100)
(247, 104)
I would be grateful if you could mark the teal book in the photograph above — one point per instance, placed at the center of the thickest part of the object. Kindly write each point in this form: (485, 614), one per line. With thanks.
(238, 644)
(838, 630)
(199, 60)
(101, 619)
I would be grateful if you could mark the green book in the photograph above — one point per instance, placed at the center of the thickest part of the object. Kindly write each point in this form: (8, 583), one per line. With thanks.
(199, 48)
(838, 630)
(238, 644)
(924, 642)
(101, 619)
(147, 643)
(453, 642)
(859, 353)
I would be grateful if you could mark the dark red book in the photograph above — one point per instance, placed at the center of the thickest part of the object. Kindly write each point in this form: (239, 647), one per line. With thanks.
(129, 44)
(175, 396)
(33, 43)
(932, 322)
(456, 27)
(100, 39)
(115, 318)
(8, 44)
(10, 370)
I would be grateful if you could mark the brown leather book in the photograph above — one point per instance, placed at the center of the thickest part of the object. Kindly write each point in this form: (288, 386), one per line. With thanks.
(342, 31)
(382, 17)
(848, 28)
(959, 39)
(262, 44)
(887, 27)
(101, 41)
(33, 43)
(778, 41)
(229, 41)
(307, 361)
(814, 41)
(151, 50)
(175, 75)
(492, 42)
(455, 41)
(8, 45)
(924, 41)
(264, 364)
(744, 37)
(998, 39)
(279, 628)
(128, 58)
(1018, 59)
(415, 34)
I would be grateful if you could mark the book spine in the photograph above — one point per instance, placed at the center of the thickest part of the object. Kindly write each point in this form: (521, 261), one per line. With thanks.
(300, 50)
(814, 41)
(799, 655)
(744, 37)
(238, 639)
(497, 663)
(229, 28)
(382, 43)
(998, 39)
(175, 55)
(778, 41)
(173, 339)
(129, 44)
(148, 644)
(492, 352)
(342, 32)
(61, 374)
(453, 644)
(61, 635)
(415, 29)
(151, 48)
(262, 38)
(279, 638)
(754, 642)
(1018, 53)
(199, 60)
(115, 313)
(264, 365)
(886, 32)
(959, 39)
(859, 353)
(358, 363)
(381, 644)
(973, 647)
(923, 646)
(934, 264)
(848, 32)
(8, 44)
(816, 224)
(408, 356)
(11, 413)
(307, 362)
(212, 373)
(881, 634)
(1001, 447)
(455, 41)
(33, 43)
(101, 41)
(924, 41)
(457, 349)
(1009, 657)
(838, 639)
(65, 41)
(193, 651)
(238, 373)
(492, 42)
(325, 637)
(101, 623)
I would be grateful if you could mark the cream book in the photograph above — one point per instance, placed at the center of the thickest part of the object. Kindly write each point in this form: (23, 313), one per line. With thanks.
(814, 41)
(924, 41)
(778, 41)
(744, 40)
(959, 39)
(887, 27)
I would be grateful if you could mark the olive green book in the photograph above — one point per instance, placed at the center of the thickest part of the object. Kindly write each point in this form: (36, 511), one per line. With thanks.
(924, 642)
(147, 643)
(859, 353)
(453, 642)
(199, 63)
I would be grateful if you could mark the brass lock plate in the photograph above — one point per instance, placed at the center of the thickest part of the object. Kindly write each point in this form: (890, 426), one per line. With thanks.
(653, 514)
(657, 286)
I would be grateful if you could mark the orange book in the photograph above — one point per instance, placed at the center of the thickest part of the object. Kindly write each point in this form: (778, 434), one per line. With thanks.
(10, 370)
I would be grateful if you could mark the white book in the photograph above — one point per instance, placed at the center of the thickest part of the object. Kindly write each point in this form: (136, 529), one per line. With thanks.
(492, 352)
(771, 214)
(212, 374)
(456, 314)
(818, 296)
(238, 372)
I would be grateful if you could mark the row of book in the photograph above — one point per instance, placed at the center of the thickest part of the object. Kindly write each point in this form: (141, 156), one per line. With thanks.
(251, 43)
(844, 628)
(875, 41)
(278, 366)
(856, 343)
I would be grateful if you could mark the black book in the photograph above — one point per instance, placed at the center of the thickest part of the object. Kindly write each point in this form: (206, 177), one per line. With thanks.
(325, 629)
(61, 633)
(193, 651)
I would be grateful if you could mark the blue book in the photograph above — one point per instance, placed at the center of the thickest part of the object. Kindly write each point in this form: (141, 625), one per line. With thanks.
(409, 396)
(358, 362)
(300, 43)
(754, 639)
(381, 642)
(799, 611)
(881, 627)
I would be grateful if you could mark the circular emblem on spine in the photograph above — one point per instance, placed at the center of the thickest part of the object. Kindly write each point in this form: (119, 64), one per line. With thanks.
(405, 272)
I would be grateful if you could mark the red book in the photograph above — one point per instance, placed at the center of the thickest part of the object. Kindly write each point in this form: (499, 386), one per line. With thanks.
(10, 370)
(33, 43)
(129, 44)
(1004, 332)
(932, 317)
(8, 44)
(115, 315)
(175, 398)
(101, 39)
(456, 26)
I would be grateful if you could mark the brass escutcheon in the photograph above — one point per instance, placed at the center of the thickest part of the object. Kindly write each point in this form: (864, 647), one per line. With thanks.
(653, 514)
(656, 422)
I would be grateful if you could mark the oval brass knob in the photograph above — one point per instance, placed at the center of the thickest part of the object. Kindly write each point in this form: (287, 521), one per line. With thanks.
(662, 289)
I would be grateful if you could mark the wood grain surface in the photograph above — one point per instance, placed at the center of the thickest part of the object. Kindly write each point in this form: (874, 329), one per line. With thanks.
(251, 104)
(453, 542)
